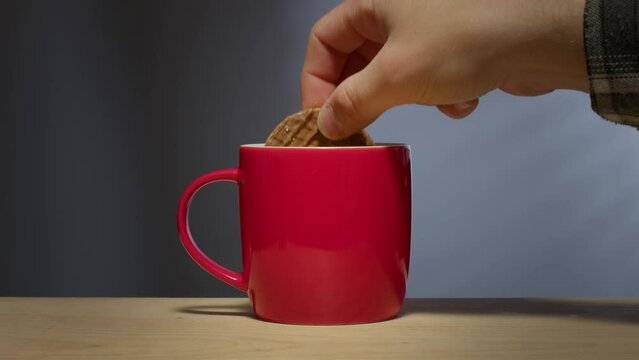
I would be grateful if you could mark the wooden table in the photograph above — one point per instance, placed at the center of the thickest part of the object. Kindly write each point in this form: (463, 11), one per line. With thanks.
(224, 328)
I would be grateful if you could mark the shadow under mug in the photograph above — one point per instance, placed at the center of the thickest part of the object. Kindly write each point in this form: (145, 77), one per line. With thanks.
(325, 231)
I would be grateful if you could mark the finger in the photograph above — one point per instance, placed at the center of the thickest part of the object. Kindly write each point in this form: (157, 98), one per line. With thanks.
(369, 50)
(526, 89)
(459, 110)
(359, 100)
(358, 59)
(354, 64)
(336, 35)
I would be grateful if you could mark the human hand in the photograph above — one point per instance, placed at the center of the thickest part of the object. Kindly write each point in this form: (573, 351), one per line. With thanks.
(366, 56)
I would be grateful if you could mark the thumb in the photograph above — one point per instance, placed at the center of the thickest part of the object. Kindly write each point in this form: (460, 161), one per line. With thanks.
(358, 101)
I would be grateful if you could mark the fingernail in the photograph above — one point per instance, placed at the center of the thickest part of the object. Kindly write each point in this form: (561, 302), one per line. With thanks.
(464, 106)
(327, 124)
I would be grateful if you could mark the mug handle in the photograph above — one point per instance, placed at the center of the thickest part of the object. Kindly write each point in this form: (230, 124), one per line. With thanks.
(232, 278)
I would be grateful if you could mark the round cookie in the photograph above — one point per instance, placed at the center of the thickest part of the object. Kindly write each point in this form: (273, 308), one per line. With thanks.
(300, 129)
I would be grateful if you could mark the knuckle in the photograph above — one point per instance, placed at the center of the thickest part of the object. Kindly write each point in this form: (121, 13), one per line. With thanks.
(396, 75)
(314, 28)
(395, 69)
(389, 69)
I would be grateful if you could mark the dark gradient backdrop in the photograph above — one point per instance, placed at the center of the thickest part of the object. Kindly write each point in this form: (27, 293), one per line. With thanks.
(109, 108)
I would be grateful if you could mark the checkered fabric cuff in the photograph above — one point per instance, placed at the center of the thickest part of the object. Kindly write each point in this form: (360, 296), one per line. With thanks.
(611, 39)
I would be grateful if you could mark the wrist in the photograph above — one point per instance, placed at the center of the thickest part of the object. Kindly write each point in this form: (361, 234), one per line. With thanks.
(551, 53)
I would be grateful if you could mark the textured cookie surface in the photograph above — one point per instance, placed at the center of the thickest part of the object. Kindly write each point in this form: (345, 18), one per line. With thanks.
(300, 129)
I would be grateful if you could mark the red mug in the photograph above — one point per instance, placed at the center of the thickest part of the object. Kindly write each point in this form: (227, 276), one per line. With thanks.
(325, 231)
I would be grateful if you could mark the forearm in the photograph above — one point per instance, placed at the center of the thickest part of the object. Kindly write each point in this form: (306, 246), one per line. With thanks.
(612, 52)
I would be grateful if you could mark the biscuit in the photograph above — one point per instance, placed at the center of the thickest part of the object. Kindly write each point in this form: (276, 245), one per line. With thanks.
(300, 129)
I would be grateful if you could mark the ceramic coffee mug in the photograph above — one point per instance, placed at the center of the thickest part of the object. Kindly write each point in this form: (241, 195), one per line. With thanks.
(325, 231)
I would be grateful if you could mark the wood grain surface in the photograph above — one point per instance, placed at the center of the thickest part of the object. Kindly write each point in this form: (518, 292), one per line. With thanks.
(224, 328)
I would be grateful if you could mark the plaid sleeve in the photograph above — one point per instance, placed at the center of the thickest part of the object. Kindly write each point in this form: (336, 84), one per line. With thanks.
(611, 40)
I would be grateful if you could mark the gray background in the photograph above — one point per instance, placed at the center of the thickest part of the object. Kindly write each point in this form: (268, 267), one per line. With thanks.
(109, 108)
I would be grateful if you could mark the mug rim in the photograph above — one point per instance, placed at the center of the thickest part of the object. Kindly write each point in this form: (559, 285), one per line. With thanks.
(324, 148)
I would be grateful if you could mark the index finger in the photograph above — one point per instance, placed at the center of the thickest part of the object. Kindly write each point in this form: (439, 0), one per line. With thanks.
(336, 35)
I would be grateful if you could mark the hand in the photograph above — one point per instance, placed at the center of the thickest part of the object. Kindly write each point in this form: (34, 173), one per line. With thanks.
(366, 56)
